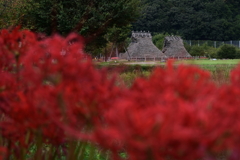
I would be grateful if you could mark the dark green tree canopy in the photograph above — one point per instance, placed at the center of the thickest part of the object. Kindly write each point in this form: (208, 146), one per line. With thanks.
(198, 19)
(90, 18)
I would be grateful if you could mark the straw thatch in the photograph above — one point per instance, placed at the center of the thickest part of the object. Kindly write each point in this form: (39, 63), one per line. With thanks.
(174, 47)
(141, 46)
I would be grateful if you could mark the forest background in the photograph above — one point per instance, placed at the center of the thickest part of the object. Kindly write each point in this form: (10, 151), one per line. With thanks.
(196, 20)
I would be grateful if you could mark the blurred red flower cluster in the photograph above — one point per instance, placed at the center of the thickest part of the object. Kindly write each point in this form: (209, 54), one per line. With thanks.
(50, 89)
(178, 113)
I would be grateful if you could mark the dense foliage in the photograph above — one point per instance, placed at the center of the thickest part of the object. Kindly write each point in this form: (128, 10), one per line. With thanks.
(227, 51)
(93, 19)
(52, 97)
(158, 40)
(89, 18)
(196, 20)
(12, 12)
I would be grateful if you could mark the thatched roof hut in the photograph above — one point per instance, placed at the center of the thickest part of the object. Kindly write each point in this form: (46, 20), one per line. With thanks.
(141, 46)
(174, 47)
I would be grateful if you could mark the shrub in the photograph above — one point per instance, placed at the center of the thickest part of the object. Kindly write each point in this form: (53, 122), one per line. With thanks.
(203, 50)
(197, 51)
(238, 54)
(211, 52)
(227, 51)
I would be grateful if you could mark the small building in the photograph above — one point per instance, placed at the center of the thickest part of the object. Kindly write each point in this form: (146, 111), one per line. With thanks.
(173, 47)
(141, 46)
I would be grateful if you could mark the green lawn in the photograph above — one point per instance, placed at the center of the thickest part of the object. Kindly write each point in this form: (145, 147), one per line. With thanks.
(210, 62)
(203, 62)
(219, 69)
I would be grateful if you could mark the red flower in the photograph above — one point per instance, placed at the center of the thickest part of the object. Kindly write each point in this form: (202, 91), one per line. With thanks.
(3, 153)
(177, 113)
(51, 88)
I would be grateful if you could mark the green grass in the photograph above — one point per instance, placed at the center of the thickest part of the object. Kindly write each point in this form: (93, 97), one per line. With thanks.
(210, 62)
(219, 69)
(196, 62)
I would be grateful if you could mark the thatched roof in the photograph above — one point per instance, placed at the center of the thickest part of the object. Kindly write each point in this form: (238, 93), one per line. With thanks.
(174, 47)
(141, 46)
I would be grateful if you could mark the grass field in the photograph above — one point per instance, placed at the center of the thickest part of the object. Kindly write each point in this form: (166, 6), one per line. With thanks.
(194, 62)
(220, 69)
(211, 62)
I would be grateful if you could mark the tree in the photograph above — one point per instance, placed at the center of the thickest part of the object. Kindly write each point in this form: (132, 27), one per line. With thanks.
(90, 18)
(158, 40)
(12, 12)
(154, 16)
(196, 20)
(118, 37)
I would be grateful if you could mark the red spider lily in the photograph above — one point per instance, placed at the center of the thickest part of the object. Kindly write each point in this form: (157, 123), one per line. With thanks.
(178, 113)
(50, 89)
(3, 152)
